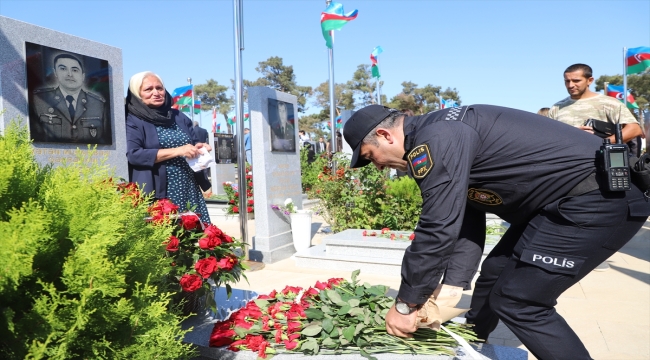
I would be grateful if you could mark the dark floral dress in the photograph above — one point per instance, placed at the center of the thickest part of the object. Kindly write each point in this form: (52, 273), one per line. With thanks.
(181, 185)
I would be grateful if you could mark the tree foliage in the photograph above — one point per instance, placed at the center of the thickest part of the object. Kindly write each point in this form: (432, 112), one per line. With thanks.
(212, 94)
(422, 100)
(281, 77)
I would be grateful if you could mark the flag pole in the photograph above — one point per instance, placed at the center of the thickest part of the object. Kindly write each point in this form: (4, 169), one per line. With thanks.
(241, 153)
(625, 76)
(189, 80)
(332, 99)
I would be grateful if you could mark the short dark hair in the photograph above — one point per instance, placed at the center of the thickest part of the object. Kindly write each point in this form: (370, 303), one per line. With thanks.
(586, 69)
(67, 56)
(388, 123)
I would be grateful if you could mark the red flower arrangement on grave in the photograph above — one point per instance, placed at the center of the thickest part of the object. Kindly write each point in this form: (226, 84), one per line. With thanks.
(334, 317)
(388, 233)
(232, 190)
(200, 256)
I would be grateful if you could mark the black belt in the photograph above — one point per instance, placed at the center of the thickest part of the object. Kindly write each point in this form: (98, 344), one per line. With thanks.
(590, 183)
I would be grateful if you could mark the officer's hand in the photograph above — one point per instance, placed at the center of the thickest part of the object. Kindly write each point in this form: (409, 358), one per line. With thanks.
(588, 129)
(204, 146)
(401, 325)
(189, 151)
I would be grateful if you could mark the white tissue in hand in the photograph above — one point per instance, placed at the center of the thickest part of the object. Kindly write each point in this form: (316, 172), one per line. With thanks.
(201, 162)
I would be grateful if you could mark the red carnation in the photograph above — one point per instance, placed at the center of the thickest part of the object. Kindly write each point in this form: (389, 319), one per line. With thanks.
(191, 282)
(225, 238)
(250, 201)
(412, 237)
(190, 222)
(206, 267)
(236, 193)
(249, 209)
(385, 230)
(172, 244)
(222, 334)
(235, 209)
(291, 343)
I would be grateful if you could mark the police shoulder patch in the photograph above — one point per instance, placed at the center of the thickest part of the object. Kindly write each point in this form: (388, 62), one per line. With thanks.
(484, 196)
(420, 161)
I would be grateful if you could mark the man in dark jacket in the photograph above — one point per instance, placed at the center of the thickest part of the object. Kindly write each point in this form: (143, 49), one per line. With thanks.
(536, 173)
(201, 133)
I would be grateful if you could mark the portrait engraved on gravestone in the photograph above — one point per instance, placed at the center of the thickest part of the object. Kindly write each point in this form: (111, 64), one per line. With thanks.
(69, 97)
(225, 151)
(282, 123)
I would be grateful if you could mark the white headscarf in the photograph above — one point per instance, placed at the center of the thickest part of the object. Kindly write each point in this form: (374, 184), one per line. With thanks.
(136, 82)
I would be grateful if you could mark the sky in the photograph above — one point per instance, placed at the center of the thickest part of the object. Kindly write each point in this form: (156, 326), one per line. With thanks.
(509, 53)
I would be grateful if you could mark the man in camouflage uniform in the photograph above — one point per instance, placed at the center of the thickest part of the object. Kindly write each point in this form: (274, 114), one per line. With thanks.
(67, 113)
(583, 104)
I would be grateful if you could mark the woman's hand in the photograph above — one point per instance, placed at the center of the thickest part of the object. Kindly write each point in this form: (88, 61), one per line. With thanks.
(189, 151)
(203, 146)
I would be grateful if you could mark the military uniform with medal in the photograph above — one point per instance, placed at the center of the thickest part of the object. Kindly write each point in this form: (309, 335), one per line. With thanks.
(88, 123)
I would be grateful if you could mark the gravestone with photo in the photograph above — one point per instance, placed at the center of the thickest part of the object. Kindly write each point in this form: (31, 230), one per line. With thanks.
(276, 170)
(67, 90)
(226, 158)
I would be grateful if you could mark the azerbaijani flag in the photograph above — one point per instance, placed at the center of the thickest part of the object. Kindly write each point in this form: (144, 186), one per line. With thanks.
(182, 96)
(197, 105)
(617, 92)
(447, 103)
(637, 59)
(373, 58)
(333, 18)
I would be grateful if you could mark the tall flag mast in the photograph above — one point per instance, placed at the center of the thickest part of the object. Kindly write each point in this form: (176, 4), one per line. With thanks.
(238, 23)
(333, 18)
(374, 58)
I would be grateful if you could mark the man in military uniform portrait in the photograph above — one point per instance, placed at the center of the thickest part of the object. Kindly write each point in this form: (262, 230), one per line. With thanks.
(283, 133)
(67, 113)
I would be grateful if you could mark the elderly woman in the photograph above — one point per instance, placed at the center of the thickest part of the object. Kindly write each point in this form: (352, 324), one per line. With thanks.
(159, 139)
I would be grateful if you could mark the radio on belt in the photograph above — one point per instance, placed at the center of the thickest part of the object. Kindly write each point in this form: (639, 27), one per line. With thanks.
(614, 163)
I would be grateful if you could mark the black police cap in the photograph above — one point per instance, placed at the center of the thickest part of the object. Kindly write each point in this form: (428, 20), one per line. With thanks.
(359, 125)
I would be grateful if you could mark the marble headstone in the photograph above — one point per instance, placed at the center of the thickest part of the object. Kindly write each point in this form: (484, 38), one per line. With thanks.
(102, 124)
(276, 170)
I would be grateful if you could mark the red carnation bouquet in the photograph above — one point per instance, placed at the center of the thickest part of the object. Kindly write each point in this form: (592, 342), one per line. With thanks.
(200, 256)
(232, 191)
(334, 317)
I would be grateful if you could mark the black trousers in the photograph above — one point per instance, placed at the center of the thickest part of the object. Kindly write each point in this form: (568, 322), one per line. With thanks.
(535, 262)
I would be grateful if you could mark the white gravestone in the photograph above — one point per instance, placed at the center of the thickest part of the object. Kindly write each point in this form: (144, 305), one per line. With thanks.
(276, 170)
(30, 89)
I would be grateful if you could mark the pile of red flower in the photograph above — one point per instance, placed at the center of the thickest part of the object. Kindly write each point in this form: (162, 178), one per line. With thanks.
(393, 235)
(197, 252)
(335, 317)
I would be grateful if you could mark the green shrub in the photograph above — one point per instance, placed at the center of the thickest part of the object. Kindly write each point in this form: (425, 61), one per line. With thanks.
(309, 172)
(366, 198)
(81, 273)
(403, 205)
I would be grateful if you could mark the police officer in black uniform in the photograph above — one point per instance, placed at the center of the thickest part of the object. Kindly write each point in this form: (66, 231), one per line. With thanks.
(67, 113)
(538, 174)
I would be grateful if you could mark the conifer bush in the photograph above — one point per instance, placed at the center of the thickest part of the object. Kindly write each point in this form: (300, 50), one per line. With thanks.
(81, 274)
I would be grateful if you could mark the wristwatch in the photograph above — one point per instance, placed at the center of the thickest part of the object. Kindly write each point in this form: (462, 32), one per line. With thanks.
(404, 308)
